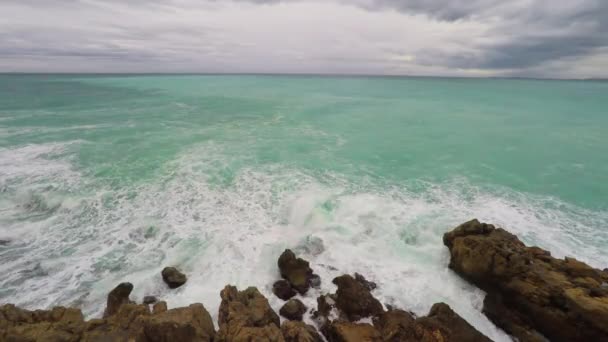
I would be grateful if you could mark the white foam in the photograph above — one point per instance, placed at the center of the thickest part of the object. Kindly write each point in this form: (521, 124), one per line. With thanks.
(232, 234)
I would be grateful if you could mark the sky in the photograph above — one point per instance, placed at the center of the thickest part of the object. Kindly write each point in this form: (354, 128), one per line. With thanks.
(470, 38)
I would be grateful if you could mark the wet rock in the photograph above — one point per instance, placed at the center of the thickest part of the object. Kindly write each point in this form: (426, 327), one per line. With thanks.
(299, 332)
(293, 310)
(397, 325)
(315, 281)
(295, 270)
(353, 332)
(4, 242)
(326, 304)
(247, 316)
(150, 300)
(283, 289)
(370, 285)
(441, 325)
(173, 277)
(354, 299)
(117, 297)
(443, 321)
(530, 293)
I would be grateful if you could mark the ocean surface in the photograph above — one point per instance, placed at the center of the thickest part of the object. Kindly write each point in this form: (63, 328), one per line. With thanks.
(105, 179)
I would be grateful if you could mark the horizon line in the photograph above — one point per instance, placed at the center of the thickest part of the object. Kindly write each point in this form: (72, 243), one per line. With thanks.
(293, 74)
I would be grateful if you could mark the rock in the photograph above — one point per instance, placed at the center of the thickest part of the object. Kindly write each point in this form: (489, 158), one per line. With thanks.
(159, 307)
(4, 242)
(397, 325)
(326, 304)
(299, 332)
(293, 310)
(441, 325)
(173, 277)
(58, 324)
(315, 281)
(150, 300)
(354, 299)
(530, 293)
(295, 270)
(283, 289)
(367, 284)
(443, 321)
(192, 323)
(117, 297)
(353, 332)
(247, 316)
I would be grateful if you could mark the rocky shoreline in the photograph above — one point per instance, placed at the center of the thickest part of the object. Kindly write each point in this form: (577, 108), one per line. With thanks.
(530, 295)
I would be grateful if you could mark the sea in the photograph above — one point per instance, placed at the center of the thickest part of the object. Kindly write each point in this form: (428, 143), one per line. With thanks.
(110, 178)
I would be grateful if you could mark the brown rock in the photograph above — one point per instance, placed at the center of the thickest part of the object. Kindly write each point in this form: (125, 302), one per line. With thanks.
(117, 297)
(397, 325)
(353, 332)
(58, 324)
(299, 332)
(354, 299)
(370, 285)
(247, 316)
(442, 320)
(182, 324)
(531, 294)
(295, 270)
(173, 277)
(283, 289)
(293, 310)
(159, 307)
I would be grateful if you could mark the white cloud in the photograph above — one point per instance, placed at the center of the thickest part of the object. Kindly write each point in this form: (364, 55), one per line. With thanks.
(482, 38)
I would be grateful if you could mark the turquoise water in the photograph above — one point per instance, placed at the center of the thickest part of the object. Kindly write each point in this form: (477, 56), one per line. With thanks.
(109, 178)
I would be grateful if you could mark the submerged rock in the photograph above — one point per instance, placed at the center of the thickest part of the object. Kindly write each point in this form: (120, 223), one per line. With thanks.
(354, 299)
(296, 271)
(530, 293)
(283, 289)
(293, 310)
(117, 297)
(247, 316)
(150, 300)
(173, 277)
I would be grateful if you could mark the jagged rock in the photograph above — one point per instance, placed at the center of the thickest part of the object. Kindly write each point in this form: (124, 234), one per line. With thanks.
(299, 332)
(295, 270)
(443, 321)
(117, 297)
(283, 289)
(173, 277)
(370, 285)
(353, 332)
(293, 310)
(322, 316)
(150, 300)
(354, 299)
(531, 294)
(58, 324)
(247, 316)
(397, 325)
(441, 325)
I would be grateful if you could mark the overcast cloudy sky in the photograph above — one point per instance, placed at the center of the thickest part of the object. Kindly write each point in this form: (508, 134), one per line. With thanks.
(535, 38)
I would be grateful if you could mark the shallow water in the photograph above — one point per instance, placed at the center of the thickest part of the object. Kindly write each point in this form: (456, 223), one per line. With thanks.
(106, 179)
